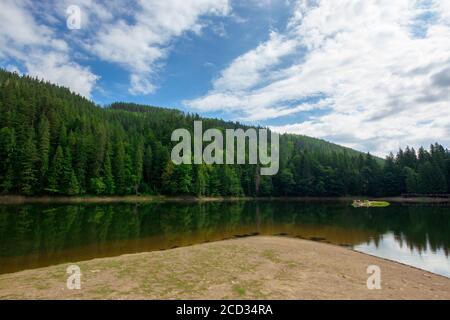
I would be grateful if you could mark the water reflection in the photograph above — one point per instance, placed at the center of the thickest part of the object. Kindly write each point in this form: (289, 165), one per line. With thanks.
(394, 248)
(34, 235)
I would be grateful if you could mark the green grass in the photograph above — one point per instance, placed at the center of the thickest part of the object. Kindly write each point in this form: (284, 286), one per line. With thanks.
(379, 203)
(270, 255)
(370, 204)
(239, 290)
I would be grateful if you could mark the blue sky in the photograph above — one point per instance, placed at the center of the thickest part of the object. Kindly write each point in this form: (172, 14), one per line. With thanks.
(371, 75)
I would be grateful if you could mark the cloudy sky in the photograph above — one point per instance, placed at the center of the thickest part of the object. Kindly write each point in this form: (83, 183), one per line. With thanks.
(369, 74)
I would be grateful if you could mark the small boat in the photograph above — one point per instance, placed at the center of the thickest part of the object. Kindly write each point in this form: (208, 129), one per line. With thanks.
(369, 204)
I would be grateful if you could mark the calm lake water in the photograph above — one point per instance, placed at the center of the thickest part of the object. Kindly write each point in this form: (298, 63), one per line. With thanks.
(34, 236)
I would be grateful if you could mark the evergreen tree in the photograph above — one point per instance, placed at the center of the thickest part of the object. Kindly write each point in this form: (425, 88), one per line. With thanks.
(286, 181)
(214, 183)
(431, 179)
(200, 180)
(138, 167)
(44, 150)
(169, 184)
(230, 182)
(73, 187)
(56, 172)
(182, 179)
(7, 147)
(28, 157)
(148, 165)
(119, 168)
(54, 141)
(392, 177)
(412, 180)
(109, 178)
(67, 172)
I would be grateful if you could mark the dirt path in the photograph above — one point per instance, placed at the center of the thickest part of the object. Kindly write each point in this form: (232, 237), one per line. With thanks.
(262, 267)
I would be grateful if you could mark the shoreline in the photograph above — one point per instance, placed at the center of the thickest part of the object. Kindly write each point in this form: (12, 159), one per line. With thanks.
(17, 199)
(260, 267)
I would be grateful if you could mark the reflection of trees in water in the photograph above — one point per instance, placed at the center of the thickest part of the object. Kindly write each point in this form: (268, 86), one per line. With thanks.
(48, 229)
(416, 226)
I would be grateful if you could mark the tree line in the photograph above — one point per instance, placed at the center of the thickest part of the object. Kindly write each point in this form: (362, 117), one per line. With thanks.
(55, 142)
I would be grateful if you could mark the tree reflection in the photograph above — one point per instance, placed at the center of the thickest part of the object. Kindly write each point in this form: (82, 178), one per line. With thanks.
(38, 235)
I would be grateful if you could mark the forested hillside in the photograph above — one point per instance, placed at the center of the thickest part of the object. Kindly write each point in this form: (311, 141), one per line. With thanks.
(55, 142)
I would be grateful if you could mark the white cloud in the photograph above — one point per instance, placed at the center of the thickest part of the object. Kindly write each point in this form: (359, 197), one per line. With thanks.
(57, 68)
(38, 48)
(384, 82)
(142, 44)
(247, 70)
(136, 35)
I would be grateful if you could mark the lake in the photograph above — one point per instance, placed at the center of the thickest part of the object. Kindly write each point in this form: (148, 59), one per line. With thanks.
(33, 236)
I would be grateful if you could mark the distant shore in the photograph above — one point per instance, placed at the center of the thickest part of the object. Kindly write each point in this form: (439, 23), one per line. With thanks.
(15, 199)
(261, 267)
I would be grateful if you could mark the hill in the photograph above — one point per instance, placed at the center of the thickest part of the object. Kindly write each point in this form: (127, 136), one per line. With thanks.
(53, 141)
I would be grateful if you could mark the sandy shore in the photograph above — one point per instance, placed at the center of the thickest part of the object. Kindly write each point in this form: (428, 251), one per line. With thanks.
(261, 267)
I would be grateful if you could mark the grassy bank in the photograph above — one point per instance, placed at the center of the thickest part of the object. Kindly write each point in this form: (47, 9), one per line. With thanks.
(12, 199)
(259, 267)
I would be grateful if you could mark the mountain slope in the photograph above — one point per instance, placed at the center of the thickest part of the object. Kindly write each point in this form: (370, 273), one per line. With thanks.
(53, 141)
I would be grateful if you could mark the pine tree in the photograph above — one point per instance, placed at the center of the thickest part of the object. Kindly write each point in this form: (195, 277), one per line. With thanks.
(371, 176)
(286, 181)
(200, 180)
(148, 165)
(119, 168)
(230, 182)
(108, 176)
(182, 174)
(7, 148)
(138, 167)
(130, 179)
(169, 185)
(52, 141)
(67, 172)
(44, 150)
(62, 136)
(412, 180)
(97, 186)
(28, 158)
(73, 187)
(265, 186)
(215, 187)
(80, 161)
(392, 177)
(431, 179)
(56, 172)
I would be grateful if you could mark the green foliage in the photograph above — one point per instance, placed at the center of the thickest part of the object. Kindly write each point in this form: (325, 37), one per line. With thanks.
(431, 178)
(56, 172)
(109, 177)
(200, 180)
(7, 147)
(286, 181)
(412, 180)
(27, 161)
(98, 186)
(55, 142)
(44, 150)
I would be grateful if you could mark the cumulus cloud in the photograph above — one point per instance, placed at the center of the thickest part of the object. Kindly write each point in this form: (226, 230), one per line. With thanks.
(379, 68)
(39, 49)
(141, 43)
(58, 68)
(136, 35)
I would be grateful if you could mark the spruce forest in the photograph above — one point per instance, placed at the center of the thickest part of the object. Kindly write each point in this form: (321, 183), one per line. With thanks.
(54, 142)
